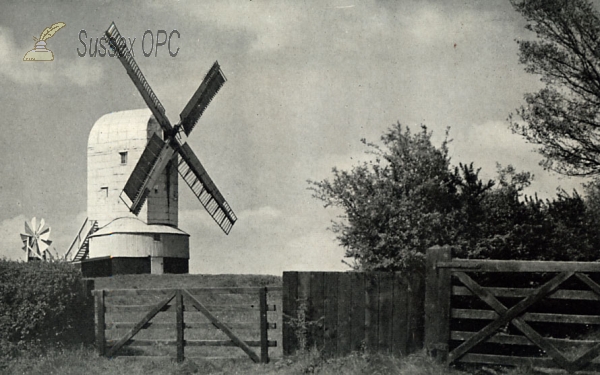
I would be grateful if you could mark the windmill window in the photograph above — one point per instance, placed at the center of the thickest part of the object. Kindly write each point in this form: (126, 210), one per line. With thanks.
(123, 157)
(157, 237)
(104, 191)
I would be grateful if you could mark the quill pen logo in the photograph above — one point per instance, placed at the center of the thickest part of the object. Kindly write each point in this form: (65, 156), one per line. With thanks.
(40, 52)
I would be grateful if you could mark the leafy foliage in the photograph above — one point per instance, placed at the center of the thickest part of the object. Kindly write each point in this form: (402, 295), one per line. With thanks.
(409, 198)
(41, 304)
(397, 206)
(564, 116)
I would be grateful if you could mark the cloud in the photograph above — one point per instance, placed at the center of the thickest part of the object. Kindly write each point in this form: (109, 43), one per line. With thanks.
(426, 25)
(261, 213)
(313, 251)
(274, 24)
(81, 72)
(264, 240)
(10, 246)
(64, 232)
(432, 23)
(270, 25)
(493, 142)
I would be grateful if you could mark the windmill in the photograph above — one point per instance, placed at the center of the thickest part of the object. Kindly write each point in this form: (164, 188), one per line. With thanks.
(159, 152)
(36, 240)
(133, 209)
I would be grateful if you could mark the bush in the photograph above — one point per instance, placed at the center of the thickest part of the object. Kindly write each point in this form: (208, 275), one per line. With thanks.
(42, 304)
(408, 198)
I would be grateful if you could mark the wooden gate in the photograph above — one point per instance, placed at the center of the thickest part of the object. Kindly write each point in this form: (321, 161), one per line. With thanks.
(531, 313)
(183, 319)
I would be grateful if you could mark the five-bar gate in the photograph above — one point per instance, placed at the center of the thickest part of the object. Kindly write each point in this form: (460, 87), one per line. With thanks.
(150, 322)
(532, 313)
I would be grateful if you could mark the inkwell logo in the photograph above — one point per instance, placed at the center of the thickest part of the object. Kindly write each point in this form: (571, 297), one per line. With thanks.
(40, 52)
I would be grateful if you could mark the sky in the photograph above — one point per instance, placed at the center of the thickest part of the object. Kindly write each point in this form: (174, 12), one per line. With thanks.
(306, 81)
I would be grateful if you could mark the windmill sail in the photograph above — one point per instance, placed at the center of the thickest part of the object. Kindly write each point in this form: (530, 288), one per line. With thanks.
(196, 177)
(117, 43)
(158, 153)
(155, 157)
(209, 87)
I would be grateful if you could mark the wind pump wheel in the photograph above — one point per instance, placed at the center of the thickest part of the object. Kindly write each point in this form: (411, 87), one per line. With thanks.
(36, 240)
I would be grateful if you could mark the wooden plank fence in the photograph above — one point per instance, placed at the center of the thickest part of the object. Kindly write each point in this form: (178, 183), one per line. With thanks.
(533, 313)
(340, 312)
(129, 320)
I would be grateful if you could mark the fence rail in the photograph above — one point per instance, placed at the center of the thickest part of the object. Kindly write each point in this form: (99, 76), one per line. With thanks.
(163, 312)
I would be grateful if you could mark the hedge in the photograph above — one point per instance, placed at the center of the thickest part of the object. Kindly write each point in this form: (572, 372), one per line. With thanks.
(42, 304)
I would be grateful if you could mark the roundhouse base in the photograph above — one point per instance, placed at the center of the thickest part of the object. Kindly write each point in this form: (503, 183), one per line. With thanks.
(107, 266)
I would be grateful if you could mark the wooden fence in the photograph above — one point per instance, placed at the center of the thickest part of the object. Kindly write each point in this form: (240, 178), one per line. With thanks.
(540, 314)
(340, 312)
(152, 322)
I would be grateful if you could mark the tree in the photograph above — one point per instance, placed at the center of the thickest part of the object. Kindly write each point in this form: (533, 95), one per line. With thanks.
(409, 198)
(592, 213)
(495, 231)
(471, 212)
(397, 205)
(564, 116)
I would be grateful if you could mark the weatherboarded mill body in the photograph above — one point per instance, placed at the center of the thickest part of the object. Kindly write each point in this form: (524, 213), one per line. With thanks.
(126, 243)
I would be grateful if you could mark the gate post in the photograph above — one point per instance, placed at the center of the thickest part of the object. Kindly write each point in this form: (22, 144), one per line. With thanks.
(289, 315)
(438, 291)
(264, 326)
(99, 320)
(180, 325)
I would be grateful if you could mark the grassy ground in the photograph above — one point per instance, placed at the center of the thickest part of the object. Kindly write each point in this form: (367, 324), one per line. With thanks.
(86, 361)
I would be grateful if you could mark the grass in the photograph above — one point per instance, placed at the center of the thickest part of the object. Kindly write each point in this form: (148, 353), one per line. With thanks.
(85, 361)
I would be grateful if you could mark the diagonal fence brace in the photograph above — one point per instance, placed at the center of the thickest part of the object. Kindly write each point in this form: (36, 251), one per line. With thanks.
(518, 322)
(139, 325)
(507, 315)
(236, 340)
